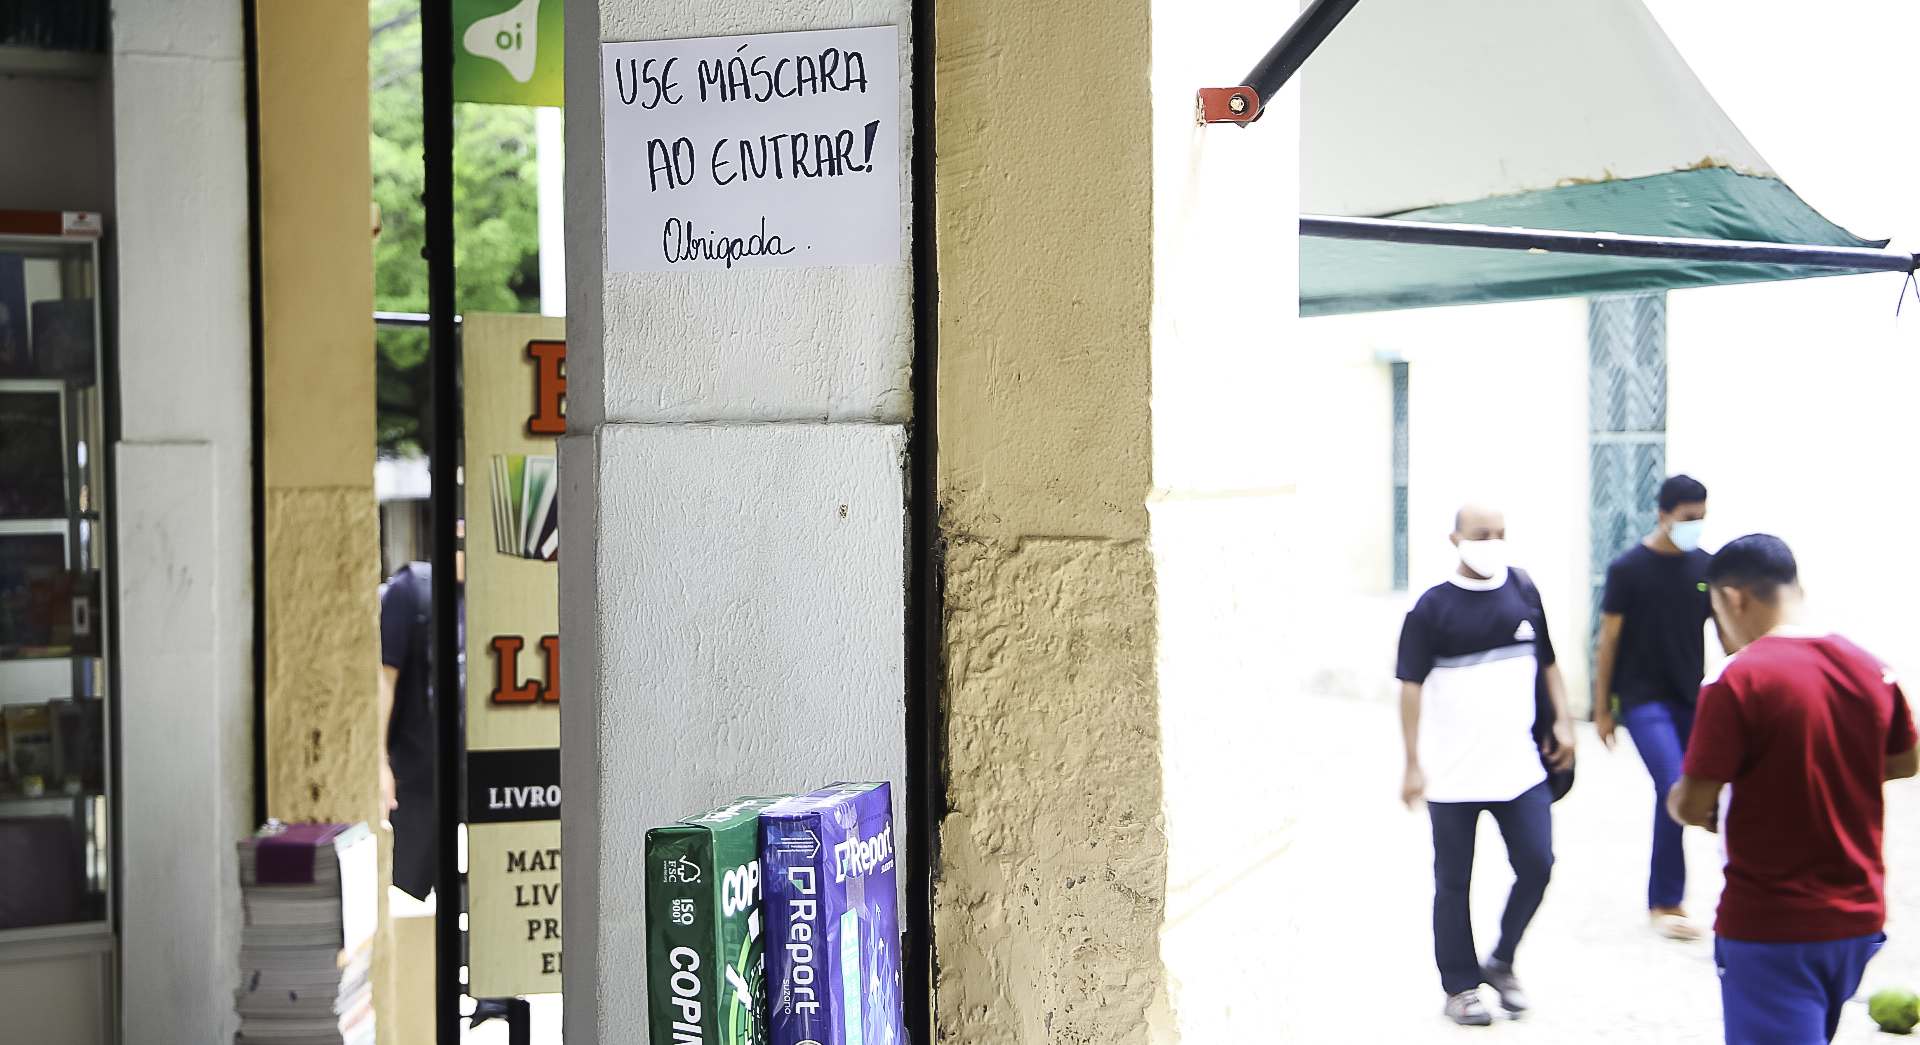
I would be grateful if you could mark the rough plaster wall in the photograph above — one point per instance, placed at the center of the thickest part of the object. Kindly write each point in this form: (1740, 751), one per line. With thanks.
(1053, 862)
(705, 346)
(322, 732)
(1045, 186)
(322, 653)
(179, 231)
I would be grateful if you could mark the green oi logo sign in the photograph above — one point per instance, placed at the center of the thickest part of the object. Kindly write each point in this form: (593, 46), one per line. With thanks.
(508, 57)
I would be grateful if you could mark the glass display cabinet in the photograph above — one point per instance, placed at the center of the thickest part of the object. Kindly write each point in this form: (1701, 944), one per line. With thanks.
(56, 761)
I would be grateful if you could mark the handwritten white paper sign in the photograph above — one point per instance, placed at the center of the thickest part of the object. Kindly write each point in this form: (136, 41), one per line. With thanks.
(732, 152)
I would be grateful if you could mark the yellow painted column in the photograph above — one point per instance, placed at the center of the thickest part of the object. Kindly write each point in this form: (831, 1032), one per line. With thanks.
(1053, 865)
(322, 520)
(322, 524)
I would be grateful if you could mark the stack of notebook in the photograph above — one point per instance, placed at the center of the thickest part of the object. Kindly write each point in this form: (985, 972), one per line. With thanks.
(311, 894)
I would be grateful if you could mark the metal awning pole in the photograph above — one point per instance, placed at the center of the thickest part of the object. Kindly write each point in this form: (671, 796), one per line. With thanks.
(1606, 244)
(1302, 38)
(1243, 104)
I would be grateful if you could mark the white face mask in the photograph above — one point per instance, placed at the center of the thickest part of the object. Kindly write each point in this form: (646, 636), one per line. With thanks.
(1486, 558)
(1686, 535)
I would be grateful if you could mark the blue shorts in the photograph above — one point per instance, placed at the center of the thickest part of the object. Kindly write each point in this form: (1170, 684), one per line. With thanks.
(1789, 993)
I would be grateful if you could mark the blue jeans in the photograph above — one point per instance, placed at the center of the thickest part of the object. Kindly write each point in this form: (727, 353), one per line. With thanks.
(1526, 824)
(1789, 993)
(1660, 731)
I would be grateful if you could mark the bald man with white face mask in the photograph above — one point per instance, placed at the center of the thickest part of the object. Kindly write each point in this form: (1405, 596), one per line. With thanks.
(1472, 653)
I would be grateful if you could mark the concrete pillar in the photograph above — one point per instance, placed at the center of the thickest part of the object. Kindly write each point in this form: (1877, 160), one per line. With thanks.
(317, 387)
(732, 587)
(183, 499)
(1117, 287)
(317, 304)
(1052, 872)
(184, 470)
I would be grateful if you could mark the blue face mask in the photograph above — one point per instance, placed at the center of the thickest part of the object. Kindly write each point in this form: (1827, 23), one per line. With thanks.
(1686, 535)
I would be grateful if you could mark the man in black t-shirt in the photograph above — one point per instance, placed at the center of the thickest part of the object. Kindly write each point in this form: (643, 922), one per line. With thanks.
(408, 738)
(1651, 658)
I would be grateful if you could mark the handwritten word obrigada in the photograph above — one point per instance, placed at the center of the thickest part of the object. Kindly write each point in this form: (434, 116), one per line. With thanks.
(680, 243)
(761, 78)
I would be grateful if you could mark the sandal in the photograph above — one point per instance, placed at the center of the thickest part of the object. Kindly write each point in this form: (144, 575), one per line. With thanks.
(1676, 927)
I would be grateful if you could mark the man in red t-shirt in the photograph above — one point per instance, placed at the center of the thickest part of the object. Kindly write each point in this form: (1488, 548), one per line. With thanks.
(1805, 727)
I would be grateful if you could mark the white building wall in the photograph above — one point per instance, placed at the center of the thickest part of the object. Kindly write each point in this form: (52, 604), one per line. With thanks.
(1271, 607)
(1228, 535)
(184, 572)
(729, 630)
(1498, 415)
(1791, 400)
(1792, 403)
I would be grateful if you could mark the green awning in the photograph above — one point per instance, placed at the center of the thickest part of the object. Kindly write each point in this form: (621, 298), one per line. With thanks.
(1579, 117)
(1339, 276)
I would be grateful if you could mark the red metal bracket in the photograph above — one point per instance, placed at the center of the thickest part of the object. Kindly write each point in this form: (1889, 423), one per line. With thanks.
(1227, 105)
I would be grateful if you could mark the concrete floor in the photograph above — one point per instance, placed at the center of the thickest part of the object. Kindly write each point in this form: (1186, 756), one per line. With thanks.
(1595, 971)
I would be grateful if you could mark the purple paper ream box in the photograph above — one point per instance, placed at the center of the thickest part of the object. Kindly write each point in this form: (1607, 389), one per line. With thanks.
(833, 949)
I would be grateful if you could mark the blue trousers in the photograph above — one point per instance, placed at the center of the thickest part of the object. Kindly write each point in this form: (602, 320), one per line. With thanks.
(1526, 824)
(1789, 993)
(1660, 731)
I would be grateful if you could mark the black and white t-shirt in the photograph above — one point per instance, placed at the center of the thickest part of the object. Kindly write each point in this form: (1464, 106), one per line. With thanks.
(1476, 647)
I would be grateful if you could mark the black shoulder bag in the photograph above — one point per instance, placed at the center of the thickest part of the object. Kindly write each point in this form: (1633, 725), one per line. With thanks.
(1559, 781)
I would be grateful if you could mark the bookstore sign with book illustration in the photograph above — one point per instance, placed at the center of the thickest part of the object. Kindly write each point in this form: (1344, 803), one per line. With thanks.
(514, 379)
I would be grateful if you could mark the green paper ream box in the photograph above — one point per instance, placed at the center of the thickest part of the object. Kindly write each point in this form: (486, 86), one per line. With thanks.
(705, 933)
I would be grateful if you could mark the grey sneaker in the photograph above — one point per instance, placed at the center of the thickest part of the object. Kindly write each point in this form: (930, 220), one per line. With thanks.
(1465, 1009)
(1499, 975)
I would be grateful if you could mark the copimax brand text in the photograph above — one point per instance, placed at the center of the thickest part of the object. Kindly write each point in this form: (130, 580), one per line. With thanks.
(685, 982)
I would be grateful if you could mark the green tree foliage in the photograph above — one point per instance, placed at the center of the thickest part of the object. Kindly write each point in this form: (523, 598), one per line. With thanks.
(496, 217)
